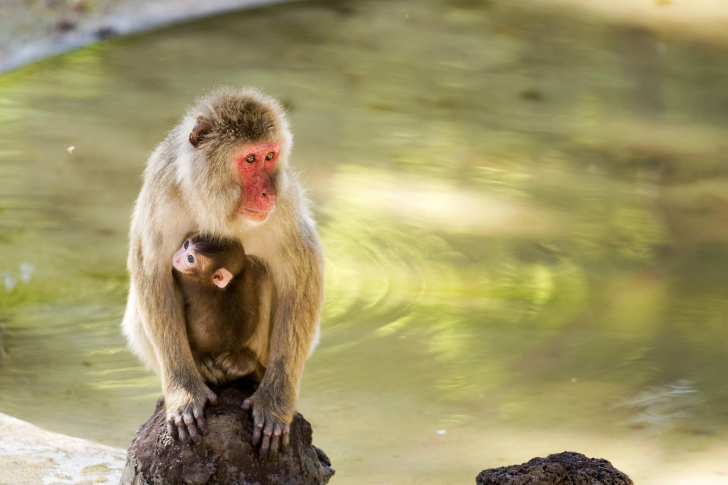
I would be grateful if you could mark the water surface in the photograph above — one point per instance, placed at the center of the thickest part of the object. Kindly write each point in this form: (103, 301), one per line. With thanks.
(524, 213)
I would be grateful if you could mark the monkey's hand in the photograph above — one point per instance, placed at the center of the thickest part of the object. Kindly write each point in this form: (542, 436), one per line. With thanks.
(185, 418)
(272, 417)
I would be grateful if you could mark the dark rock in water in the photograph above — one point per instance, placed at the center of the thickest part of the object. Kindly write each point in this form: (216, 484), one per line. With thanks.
(567, 468)
(226, 455)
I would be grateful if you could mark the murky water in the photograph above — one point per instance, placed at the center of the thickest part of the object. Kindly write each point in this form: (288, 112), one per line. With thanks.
(525, 218)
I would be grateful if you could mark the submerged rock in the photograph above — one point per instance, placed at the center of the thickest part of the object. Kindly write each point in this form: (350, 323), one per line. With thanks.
(567, 468)
(226, 455)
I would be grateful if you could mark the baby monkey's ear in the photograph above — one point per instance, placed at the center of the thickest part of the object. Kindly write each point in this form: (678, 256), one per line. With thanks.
(222, 277)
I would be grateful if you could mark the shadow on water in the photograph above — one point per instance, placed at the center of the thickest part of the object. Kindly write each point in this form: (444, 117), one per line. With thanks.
(524, 217)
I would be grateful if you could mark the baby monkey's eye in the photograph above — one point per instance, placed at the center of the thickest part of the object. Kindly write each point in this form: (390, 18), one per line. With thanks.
(270, 156)
(187, 244)
(250, 158)
(191, 258)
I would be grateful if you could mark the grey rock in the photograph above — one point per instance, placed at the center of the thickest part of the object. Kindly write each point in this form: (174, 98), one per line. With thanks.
(226, 455)
(567, 468)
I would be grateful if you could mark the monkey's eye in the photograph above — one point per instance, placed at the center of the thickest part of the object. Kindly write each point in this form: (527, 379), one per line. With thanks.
(270, 156)
(191, 259)
(187, 244)
(250, 158)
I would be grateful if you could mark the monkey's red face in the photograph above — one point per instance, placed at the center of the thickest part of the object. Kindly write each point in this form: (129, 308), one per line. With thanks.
(255, 165)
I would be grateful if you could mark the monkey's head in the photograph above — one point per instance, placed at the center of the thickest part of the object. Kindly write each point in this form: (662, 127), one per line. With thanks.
(209, 261)
(238, 143)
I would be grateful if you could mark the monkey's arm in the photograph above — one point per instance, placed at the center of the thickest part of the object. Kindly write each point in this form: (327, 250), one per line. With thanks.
(161, 313)
(298, 300)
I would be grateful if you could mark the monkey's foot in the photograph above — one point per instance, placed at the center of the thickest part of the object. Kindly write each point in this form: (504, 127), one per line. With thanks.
(236, 365)
(185, 419)
(271, 421)
(210, 372)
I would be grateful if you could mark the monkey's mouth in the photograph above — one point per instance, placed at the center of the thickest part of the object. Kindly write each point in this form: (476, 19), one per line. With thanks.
(253, 215)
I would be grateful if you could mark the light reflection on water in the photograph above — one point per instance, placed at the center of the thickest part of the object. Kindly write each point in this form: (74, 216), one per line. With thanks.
(525, 254)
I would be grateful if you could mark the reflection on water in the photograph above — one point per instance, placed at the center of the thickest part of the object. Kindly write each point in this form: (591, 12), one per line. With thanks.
(524, 217)
(663, 407)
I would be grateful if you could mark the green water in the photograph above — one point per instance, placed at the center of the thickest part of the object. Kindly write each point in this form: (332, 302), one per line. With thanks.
(524, 213)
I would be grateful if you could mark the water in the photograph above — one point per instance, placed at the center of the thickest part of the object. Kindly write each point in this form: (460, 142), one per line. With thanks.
(523, 212)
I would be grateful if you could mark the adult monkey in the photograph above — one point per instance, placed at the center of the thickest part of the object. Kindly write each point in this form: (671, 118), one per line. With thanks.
(223, 170)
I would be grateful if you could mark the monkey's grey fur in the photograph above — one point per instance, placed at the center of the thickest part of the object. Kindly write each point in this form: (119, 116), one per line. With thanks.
(190, 188)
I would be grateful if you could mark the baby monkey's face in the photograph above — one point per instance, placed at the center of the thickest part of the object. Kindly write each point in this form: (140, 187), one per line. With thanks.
(205, 270)
(186, 260)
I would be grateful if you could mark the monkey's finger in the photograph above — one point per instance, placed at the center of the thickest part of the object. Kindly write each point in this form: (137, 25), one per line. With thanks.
(257, 431)
(200, 418)
(192, 428)
(275, 439)
(181, 430)
(210, 397)
(209, 375)
(220, 359)
(265, 445)
(183, 436)
(171, 428)
(285, 438)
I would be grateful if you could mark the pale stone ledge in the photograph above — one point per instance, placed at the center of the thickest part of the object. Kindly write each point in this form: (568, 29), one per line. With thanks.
(30, 455)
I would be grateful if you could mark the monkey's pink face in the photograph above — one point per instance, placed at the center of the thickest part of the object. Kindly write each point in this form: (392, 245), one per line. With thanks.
(255, 165)
(185, 259)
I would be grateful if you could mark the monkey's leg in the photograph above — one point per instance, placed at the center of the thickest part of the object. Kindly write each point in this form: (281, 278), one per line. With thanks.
(295, 321)
(137, 338)
(185, 393)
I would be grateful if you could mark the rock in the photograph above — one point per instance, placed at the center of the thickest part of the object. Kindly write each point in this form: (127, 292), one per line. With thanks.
(226, 455)
(567, 468)
(30, 455)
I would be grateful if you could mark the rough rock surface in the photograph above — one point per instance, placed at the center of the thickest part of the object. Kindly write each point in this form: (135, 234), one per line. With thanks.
(567, 468)
(226, 455)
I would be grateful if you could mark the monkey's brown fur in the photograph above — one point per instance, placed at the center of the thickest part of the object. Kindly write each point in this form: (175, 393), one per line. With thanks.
(190, 188)
(228, 328)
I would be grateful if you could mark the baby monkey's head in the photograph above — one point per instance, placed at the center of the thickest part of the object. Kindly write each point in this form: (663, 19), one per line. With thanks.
(208, 260)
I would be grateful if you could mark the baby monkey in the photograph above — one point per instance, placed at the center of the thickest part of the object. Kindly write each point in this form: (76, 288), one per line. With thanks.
(227, 324)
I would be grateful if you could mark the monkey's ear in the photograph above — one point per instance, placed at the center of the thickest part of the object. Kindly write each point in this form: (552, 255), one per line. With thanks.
(222, 277)
(202, 127)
